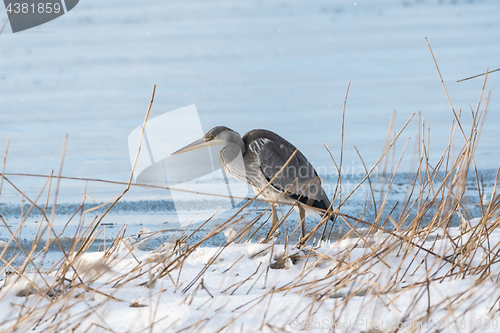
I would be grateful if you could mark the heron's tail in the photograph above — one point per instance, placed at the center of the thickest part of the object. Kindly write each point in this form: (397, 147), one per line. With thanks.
(325, 205)
(330, 213)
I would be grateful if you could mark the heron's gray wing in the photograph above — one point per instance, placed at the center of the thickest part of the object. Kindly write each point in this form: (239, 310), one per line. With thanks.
(298, 179)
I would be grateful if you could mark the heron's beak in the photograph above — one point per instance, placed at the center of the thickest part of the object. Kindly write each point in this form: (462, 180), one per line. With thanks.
(201, 143)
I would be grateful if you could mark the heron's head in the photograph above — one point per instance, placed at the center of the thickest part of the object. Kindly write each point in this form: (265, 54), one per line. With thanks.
(217, 136)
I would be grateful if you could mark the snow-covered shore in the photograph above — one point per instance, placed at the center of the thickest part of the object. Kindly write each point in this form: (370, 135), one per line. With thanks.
(350, 285)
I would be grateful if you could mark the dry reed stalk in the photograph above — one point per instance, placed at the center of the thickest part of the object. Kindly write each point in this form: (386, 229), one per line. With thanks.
(4, 163)
(133, 165)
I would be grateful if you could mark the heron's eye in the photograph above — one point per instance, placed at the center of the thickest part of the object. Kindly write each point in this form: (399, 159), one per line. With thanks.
(211, 137)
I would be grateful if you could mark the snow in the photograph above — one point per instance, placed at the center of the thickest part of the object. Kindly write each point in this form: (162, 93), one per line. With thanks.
(249, 287)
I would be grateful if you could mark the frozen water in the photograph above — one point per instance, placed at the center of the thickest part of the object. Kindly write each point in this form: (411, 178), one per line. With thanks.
(280, 65)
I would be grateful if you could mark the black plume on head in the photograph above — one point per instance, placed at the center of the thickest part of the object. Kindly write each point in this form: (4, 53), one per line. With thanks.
(217, 130)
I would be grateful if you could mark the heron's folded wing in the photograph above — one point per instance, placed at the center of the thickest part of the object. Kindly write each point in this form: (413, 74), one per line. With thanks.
(298, 179)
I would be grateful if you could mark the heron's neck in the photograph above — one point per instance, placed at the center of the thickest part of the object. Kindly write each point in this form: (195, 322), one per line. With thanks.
(231, 151)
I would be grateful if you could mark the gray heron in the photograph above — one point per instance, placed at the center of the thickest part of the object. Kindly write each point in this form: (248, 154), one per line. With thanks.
(257, 159)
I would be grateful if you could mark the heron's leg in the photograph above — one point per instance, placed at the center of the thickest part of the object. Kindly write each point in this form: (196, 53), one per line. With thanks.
(302, 215)
(275, 219)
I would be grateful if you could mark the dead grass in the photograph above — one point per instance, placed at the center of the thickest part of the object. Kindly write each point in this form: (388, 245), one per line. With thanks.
(435, 196)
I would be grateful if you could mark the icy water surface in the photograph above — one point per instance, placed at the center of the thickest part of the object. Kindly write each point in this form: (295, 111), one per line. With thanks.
(279, 65)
